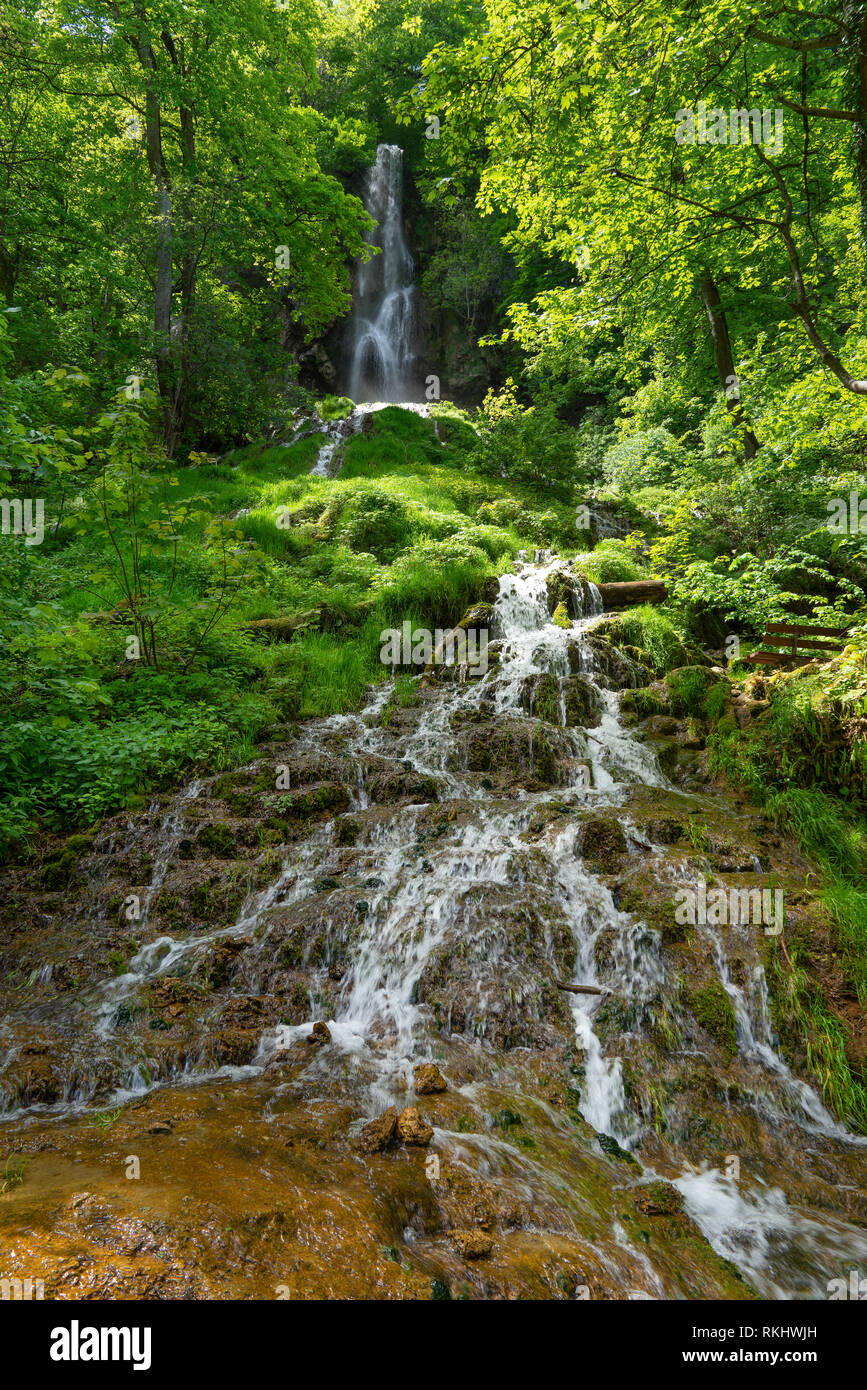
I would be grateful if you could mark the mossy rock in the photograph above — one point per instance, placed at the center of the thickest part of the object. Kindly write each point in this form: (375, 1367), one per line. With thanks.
(584, 704)
(218, 840)
(711, 1007)
(643, 703)
(58, 871)
(330, 797)
(477, 618)
(540, 697)
(560, 617)
(79, 844)
(609, 1145)
(659, 1199)
(347, 831)
(603, 843)
(645, 901)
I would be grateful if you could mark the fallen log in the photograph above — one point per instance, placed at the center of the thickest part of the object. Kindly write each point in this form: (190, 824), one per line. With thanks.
(584, 989)
(623, 594)
(282, 629)
(322, 618)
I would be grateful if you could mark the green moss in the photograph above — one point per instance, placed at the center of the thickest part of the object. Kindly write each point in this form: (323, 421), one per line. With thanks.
(218, 839)
(335, 407)
(59, 870)
(602, 844)
(118, 962)
(609, 1145)
(561, 617)
(505, 1119)
(546, 698)
(79, 844)
(330, 796)
(715, 701)
(710, 1005)
(643, 703)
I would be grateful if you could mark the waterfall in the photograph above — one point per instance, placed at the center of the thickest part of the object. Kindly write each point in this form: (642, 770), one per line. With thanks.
(384, 324)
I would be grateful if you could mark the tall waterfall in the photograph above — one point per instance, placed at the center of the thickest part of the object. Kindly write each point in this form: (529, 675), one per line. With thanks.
(385, 322)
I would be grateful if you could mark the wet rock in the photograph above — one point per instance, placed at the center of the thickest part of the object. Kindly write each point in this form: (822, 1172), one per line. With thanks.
(379, 1133)
(691, 734)
(234, 1047)
(224, 961)
(321, 1034)
(472, 1245)
(540, 697)
(32, 1079)
(319, 803)
(518, 750)
(412, 1129)
(711, 1007)
(570, 593)
(583, 703)
(615, 670)
(659, 1199)
(661, 725)
(428, 1080)
(665, 830)
(477, 618)
(602, 844)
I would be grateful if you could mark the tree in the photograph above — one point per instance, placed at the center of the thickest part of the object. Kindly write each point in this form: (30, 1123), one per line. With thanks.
(210, 150)
(578, 122)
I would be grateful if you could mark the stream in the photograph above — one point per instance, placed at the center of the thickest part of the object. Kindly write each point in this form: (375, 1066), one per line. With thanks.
(424, 877)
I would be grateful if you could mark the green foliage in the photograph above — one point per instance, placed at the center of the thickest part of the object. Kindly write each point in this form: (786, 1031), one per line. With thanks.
(824, 827)
(656, 631)
(611, 562)
(529, 443)
(334, 407)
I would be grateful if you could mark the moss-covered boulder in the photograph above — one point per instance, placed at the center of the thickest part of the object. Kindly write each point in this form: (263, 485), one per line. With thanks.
(712, 1009)
(603, 844)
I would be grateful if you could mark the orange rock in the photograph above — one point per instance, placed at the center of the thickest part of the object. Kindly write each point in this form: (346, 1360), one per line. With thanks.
(378, 1134)
(412, 1129)
(428, 1080)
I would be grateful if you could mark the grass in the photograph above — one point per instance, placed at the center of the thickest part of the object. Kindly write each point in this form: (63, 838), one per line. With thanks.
(104, 1119)
(406, 531)
(13, 1173)
(802, 739)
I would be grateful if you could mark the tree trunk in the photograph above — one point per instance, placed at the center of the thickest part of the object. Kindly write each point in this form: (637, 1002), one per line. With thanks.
(164, 243)
(856, 41)
(621, 595)
(725, 366)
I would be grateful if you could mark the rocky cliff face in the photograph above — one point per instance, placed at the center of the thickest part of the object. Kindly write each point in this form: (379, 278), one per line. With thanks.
(409, 1008)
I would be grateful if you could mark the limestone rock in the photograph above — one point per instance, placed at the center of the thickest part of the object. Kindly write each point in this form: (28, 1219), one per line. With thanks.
(378, 1134)
(321, 1034)
(428, 1080)
(473, 1245)
(412, 1129)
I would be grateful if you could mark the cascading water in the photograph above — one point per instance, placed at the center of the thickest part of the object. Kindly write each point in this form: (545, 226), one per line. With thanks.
(447, 907)
(384, 323)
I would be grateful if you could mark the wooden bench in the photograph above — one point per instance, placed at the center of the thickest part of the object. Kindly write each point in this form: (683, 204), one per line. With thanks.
(798, 644)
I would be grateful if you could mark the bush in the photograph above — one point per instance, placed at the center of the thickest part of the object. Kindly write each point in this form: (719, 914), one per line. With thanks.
(376, 522)
(611, 562)
(335, 407)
